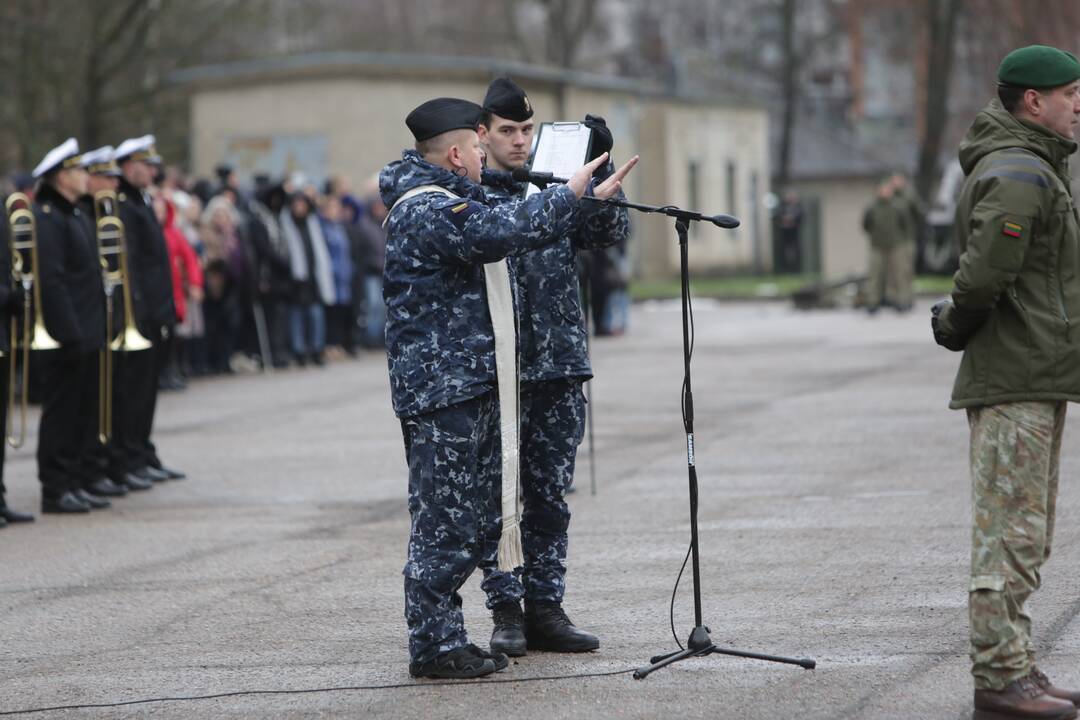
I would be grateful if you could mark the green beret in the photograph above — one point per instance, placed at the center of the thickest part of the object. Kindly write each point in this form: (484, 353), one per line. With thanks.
(1039, 66)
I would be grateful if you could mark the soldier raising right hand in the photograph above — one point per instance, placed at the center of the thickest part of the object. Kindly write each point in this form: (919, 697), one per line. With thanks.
(443, 323)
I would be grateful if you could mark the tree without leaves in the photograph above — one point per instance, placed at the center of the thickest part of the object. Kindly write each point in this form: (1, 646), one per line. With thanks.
(941, 17)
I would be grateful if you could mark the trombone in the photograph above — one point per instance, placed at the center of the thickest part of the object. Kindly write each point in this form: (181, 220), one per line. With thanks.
(24, 273)
(114, 268)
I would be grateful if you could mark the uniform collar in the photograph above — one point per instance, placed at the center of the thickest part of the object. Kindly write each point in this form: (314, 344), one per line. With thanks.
(48, 195)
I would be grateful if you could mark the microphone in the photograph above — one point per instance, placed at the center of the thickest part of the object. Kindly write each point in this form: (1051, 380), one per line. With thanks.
(543, 179)
(724, 221)
(540, 179)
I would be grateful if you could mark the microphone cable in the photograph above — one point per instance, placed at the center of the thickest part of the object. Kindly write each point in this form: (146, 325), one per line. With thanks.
(671, 613)
(416, 685)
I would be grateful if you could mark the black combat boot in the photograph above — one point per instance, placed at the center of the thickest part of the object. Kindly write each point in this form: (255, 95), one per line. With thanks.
(509, 633)
(548, 628)
(461, 663)
(500, 659)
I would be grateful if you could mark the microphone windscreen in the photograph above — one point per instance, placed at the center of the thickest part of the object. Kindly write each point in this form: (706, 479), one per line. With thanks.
(520, 174)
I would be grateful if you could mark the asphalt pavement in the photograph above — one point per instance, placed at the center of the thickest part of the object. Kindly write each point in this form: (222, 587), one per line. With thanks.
(834, 519)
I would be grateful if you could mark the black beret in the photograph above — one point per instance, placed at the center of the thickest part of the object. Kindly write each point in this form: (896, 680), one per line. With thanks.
(442, 115)
(505, 99)
(1039, 66)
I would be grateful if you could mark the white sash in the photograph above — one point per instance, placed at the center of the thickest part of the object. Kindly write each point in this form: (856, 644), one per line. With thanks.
(500, 304)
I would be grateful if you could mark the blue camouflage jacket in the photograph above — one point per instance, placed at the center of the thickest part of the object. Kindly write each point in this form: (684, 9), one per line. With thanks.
(439, 342)
(551, 330)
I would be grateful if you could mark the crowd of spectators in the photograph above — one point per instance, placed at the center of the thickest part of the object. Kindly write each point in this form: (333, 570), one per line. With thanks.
(284, 273)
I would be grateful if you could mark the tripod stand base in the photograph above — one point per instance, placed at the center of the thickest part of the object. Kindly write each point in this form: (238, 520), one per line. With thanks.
(699, 645)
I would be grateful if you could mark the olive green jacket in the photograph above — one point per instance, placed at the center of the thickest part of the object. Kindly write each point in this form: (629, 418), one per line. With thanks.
(1016, 297)
(888, 223)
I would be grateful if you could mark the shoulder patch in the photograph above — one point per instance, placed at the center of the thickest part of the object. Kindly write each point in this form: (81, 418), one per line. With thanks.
(459, 211)
(445, 201)
(1008, 250)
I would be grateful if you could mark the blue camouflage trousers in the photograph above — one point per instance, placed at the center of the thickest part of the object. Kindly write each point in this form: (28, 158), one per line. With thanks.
(454, 472)
(552, 427)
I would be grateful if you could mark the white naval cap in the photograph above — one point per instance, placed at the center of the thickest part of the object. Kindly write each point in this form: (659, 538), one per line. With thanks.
(64, 155)
(101, 161)
(141, 148)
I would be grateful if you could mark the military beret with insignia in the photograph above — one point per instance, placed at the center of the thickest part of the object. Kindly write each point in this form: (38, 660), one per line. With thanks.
(505, 99)
(1039, 66)
(441, 115)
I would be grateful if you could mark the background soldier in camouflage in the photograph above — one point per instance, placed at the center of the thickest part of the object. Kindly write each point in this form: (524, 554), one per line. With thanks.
(1010, 312)
(441, 355)
(554, 364)
(889, 227)
(904, 275)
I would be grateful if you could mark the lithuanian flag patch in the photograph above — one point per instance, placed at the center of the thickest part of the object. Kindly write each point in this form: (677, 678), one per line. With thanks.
(1012, 229)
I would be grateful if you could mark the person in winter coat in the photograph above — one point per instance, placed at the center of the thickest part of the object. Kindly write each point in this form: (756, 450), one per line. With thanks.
(340, 318)
(273, 271)
(220, 307)
(1014, 301)
(187, 283)
(313, 279)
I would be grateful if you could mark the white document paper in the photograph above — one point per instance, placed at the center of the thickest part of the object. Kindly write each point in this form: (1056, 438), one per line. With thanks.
(561, 148)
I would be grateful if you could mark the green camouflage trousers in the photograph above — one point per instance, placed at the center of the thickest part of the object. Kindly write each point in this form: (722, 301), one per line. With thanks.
(1015, 449)
(892, 276)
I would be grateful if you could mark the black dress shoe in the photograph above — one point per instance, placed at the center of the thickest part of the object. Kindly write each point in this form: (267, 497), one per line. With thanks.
(104, 487)
(172, 474)
(63, 504)
(134, 482)
(93, 501)
(548, 628)
(150, 473)
(14, 516)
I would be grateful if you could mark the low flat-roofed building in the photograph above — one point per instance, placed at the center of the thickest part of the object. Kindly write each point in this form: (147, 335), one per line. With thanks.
(343, 114)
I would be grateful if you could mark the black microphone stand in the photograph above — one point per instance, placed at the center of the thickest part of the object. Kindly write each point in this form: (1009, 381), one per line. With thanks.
(699, 644)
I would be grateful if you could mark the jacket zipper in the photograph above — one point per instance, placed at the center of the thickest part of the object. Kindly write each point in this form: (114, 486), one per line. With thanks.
(1061, 300)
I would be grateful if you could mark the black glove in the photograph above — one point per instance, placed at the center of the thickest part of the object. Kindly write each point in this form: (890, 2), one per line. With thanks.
(946, 341)
(602, 140)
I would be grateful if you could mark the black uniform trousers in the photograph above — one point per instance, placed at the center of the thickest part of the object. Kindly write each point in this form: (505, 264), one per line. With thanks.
(116, 452)
(5, 365)
(67, 415)
(94, 463)
(139, 381)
